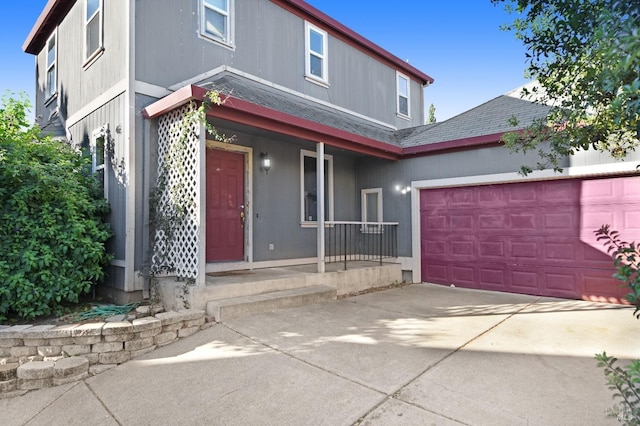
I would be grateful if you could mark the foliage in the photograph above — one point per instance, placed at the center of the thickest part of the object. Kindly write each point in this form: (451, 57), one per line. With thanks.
(625, 384)
(51, 232)
(626, 258)
(585, 55)
(431, 119)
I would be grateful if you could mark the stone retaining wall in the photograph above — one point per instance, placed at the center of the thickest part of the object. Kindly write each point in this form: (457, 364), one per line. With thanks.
(33, 357)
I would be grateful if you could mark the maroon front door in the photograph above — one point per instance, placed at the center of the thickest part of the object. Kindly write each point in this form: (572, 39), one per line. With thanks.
(225, 205)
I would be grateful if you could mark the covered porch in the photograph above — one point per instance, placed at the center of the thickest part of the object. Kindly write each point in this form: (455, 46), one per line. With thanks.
(310, 249)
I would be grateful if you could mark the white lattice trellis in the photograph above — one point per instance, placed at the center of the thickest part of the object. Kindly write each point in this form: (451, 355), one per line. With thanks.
(179, 167)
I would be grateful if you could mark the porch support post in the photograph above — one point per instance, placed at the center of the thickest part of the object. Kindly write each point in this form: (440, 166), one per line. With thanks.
(202, 207)
(320, 206)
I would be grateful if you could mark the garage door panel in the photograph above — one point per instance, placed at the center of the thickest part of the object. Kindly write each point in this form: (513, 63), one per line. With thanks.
(462, 222)
(492, 249)
(525, 281)
(436, 273)
(532, 237)
(561, 282)
(493, 278)
(465, 275)
(599, 286)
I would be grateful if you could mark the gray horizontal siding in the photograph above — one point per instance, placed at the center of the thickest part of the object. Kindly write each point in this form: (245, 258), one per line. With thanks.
(269, 43)
(111, 114)
(78, 86)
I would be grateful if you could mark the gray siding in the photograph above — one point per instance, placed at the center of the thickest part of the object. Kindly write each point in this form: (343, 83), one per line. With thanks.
(78, 86)
(111, 114)
(269, 43)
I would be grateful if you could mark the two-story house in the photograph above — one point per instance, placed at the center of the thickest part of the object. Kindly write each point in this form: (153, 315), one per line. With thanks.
(326, 126)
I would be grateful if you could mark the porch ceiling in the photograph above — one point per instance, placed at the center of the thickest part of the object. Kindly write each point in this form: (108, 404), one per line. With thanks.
(243, 112)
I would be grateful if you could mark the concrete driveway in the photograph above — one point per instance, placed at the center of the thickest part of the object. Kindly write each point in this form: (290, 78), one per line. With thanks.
(415, 355)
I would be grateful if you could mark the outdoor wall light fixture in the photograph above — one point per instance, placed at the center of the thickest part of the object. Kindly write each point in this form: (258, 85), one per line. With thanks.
(403, 189)
(265, 162)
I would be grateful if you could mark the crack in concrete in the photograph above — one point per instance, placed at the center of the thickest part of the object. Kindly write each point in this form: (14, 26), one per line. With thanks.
(396, 394)
(113, 416)
(51, 403)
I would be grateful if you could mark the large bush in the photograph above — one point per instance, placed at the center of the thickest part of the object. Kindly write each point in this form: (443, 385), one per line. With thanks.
(51, 233)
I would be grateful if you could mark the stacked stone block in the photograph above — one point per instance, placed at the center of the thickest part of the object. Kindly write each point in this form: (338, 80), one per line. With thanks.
(33, 357)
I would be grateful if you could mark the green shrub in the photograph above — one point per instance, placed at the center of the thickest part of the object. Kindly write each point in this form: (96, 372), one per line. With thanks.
(51, 232)
(624, 382)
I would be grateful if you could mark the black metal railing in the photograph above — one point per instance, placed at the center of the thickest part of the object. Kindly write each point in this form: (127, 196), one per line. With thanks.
(360, 241)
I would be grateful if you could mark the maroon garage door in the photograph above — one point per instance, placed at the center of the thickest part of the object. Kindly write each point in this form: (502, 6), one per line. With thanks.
(534, 238)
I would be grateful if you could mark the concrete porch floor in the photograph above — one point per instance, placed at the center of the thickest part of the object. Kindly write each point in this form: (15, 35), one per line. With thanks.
(359, 276)
(248, 276)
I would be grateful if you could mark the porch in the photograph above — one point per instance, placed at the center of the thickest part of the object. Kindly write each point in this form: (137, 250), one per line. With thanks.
(232, 294)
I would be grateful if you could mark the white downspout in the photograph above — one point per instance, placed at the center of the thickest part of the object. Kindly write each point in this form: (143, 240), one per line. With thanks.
(320, 206)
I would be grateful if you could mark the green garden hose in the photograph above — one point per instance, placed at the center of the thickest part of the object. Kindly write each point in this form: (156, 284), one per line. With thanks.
(107, 311)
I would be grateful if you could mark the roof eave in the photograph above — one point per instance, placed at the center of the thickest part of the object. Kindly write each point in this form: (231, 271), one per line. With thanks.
(244, 112)
(306, 11)
(454, 145)
(52, 14)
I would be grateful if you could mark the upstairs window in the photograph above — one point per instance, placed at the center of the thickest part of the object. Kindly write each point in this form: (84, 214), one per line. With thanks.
(92, 29)
(98, 158)
(52, 74)
(316, 53)
(216, 22)
(403, 95)
(309, 187)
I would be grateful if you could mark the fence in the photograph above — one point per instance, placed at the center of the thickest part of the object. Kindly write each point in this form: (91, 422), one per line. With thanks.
(360, 241)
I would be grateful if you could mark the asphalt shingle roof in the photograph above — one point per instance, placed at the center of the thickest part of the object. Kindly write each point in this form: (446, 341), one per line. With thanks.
(489, 118)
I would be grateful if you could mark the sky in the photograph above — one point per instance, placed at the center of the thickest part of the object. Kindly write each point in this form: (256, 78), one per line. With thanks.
(457, 42)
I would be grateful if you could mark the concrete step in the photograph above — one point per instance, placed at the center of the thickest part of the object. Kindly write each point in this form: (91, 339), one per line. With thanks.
(235, 307)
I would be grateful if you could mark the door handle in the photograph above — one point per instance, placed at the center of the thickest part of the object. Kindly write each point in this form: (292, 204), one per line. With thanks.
(242, 219)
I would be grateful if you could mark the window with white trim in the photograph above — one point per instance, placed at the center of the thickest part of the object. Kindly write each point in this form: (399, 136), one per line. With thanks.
(371, 209)
(309, 187)
(316, 57)
(403, 95)
(52, 68)
(93, 28)
(216, 20)
(98, 147)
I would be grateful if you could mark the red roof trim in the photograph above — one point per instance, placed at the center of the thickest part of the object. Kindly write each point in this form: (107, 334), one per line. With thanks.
(53, 12)
(458, 144)
(308, 12)
(243, 112)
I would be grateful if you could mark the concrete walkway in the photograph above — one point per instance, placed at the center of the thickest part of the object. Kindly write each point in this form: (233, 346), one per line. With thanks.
(415, 355)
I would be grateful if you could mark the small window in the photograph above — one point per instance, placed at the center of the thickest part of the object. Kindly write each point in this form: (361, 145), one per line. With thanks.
(98, 148)
(403, 95)
(309, 187)
(93, 28)
(371, 210)
(316, 53)
(216, 20)
(52, 73)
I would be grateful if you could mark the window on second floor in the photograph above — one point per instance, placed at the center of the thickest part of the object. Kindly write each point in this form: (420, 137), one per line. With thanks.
(52, 73)
(216, 20)
(316, 58)
(93, 29)
(309, 187)
(403, 95)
